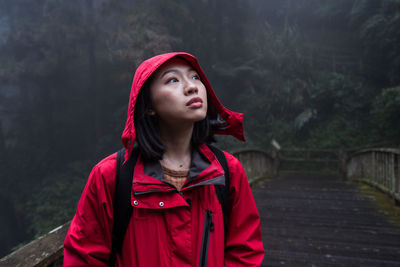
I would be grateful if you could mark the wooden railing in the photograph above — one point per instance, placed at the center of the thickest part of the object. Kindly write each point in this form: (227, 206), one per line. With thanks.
(257, 164)
(309, 154)
(311, 159)
(46, 250)
(378, 167)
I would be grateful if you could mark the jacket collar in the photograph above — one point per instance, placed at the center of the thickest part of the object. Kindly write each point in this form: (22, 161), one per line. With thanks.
(204, 170)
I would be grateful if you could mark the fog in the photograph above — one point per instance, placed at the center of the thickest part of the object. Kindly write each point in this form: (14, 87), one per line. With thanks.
(307, 73)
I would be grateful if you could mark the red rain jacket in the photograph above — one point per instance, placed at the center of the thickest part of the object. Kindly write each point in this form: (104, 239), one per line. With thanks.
(166, 227)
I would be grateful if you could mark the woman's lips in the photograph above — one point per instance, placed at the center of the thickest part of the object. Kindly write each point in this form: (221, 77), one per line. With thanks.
(195, 102)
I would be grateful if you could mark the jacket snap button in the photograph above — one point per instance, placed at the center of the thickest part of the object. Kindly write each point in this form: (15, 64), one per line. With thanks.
(135, 202)
(161, 204)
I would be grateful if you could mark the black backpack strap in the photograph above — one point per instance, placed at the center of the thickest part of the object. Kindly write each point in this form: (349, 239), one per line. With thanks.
(221, 190)
(122, 201)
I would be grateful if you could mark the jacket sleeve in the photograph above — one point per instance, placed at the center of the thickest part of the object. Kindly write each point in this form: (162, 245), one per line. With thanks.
(88, 241)
(243, 245)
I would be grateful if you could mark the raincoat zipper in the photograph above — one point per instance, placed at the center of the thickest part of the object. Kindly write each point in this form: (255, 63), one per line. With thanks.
(208, 227)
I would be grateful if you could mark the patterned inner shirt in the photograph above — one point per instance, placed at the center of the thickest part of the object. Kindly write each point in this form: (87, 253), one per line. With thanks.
(175, 177)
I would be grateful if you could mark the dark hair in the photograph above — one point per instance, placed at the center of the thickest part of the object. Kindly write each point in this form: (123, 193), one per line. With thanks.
(147, 132)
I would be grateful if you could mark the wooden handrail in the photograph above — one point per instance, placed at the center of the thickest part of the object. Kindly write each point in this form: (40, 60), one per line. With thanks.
(257, 163)
(379, 167)
(248, 150)
(308, 159)
(386, 150)
(298, 149)
(46, 250)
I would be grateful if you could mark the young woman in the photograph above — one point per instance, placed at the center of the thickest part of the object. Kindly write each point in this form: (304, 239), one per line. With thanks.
(173, 113)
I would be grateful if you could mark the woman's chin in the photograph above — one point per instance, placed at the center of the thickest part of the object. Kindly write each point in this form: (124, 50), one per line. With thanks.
(199, 118)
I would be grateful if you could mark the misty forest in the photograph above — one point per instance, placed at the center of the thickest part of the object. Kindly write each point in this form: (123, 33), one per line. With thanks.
(307, 73)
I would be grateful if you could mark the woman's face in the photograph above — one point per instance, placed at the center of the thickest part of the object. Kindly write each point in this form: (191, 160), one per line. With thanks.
(178, 94)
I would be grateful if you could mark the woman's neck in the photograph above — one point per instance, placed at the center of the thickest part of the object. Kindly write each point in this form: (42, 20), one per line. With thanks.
(178, 149)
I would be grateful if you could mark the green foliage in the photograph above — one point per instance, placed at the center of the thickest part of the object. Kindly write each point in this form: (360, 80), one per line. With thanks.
(360, 11)
(333, 10)
(386, 114)
(334, 93)
(273, 84)
(377, 23)
(133, 32)
(56, 201)
(338, 131)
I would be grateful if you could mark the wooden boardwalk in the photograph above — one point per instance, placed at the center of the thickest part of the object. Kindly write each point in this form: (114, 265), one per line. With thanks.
(321, 220)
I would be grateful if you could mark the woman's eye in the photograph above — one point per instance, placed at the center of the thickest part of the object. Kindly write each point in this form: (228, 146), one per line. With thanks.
(196, 77)
(172, 80)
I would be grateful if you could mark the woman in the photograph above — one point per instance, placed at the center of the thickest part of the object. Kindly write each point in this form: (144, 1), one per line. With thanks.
(173, 113)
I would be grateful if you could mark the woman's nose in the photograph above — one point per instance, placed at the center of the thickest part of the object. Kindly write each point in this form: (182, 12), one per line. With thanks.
(190, 88)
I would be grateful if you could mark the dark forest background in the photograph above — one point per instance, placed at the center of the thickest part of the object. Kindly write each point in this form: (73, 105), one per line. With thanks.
(307, 73)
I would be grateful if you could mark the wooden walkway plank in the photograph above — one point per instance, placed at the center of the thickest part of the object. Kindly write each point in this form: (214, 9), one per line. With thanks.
(322, 220)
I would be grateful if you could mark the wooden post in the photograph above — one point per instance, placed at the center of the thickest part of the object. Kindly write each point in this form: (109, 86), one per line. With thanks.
(392, 172)
(275, 156)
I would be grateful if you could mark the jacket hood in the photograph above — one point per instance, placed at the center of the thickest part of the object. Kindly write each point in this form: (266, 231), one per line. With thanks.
(229, 122)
